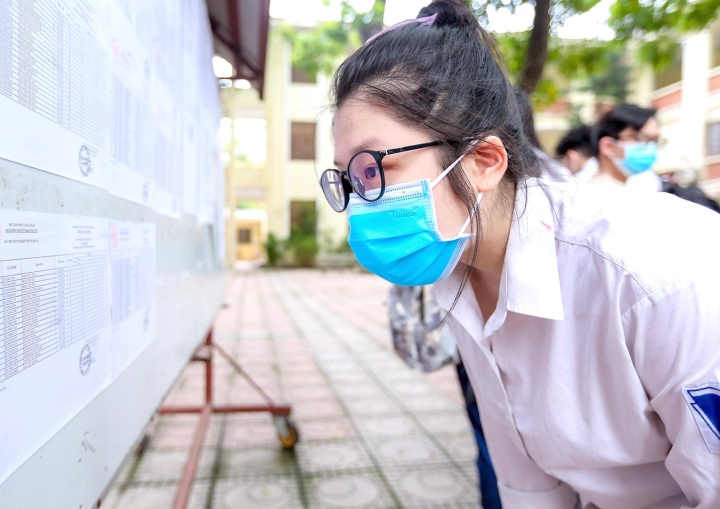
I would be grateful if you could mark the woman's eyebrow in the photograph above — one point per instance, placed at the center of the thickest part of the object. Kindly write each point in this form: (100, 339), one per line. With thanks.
(371, 143)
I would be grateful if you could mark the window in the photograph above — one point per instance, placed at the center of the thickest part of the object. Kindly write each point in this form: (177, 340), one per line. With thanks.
(245, 139)
(713, 137)
(715, 41)
(244, 236)
(303, 140)
(300, 76)
(303, 217)
(671, 74)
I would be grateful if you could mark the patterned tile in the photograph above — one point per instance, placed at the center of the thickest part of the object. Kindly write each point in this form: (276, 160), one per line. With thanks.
(364, 490)
(334, 456)
(406, 450)
(440, 486)
(256, 493)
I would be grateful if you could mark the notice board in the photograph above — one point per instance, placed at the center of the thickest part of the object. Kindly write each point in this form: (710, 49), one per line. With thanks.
(111, 231)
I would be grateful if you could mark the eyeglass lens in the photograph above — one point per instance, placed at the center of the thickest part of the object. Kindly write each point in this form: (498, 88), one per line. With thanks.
(364, 173)
(332, 187)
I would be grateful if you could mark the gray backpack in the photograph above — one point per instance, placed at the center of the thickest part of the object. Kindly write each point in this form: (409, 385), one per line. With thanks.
(418, 336)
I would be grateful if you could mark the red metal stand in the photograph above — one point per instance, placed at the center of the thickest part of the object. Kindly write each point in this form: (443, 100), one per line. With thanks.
(287, 433)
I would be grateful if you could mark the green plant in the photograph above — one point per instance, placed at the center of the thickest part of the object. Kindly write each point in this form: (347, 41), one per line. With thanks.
(343, 247)
(274, 249)
(305, 248)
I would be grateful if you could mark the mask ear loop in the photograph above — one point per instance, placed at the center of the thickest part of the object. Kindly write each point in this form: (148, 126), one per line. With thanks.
(442, 175)
(472, 213)
(479, 196)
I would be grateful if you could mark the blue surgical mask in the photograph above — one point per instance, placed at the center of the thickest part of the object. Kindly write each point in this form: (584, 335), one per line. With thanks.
(639, 157)
(397, 236)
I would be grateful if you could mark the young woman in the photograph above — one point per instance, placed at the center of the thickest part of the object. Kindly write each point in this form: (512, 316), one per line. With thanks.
(588, 319)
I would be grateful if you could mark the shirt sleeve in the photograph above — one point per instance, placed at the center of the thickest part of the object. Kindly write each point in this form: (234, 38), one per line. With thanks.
(673, 335)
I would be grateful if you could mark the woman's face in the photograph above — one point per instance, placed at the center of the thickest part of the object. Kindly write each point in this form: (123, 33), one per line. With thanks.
(360, 126)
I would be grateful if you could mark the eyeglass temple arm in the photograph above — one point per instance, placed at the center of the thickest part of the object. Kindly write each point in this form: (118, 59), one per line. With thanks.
(410, 147)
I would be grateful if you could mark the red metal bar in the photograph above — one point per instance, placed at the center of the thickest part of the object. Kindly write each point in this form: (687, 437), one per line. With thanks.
(276, 410)
(183, 494)
(204, 354)
(209, 369)
(242, 372)
(181, 410)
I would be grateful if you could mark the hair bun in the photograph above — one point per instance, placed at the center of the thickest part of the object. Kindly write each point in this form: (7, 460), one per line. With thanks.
(451, 13)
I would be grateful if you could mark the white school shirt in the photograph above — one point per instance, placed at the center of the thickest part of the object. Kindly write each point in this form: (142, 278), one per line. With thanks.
(588, 171)
(553, 171)
(598, 375)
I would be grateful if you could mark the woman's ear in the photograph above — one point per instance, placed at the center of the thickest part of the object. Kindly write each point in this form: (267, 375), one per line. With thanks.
(486, 163)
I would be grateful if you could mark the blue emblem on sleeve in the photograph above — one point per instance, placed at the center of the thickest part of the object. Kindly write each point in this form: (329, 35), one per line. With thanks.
(704, 402)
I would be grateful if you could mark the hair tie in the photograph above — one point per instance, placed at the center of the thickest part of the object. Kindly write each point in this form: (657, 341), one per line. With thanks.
(427, 20)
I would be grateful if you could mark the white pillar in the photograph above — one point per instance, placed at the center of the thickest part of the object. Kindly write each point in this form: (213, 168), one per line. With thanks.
(695, 70)
(277, 85)
(333, 227)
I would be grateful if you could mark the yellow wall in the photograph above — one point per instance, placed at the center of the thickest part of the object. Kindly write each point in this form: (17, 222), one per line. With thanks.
(273, 185)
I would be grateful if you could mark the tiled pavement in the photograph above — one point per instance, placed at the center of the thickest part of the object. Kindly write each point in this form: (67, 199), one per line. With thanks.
(374, 434)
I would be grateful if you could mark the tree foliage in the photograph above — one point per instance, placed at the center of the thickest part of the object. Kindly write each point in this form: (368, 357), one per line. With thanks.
(318, 50)
(653, 25)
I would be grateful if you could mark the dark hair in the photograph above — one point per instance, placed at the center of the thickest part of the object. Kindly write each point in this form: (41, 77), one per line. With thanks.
(526, 115)
(617, 120)
(578, 138)
(446, 79)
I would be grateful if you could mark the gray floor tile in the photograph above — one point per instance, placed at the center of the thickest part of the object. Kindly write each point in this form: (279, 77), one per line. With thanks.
(440, 486)
(335, 456)
(405, 450)
(360, 490)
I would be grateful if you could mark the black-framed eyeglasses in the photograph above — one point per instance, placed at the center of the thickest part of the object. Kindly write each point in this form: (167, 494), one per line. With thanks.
(364, 175)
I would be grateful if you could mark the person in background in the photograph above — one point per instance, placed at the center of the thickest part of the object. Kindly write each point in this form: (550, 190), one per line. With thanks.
(626, 142)
(575, 152)
(552, 170)
(689, 191)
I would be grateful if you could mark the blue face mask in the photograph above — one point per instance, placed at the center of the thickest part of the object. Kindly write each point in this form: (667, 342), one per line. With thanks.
(397, 236)
(639, 157)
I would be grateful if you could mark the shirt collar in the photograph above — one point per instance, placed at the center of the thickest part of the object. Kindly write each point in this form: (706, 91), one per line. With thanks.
(531, 270)
(530, 282)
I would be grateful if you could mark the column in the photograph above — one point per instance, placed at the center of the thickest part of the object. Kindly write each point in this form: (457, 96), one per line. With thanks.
(12, 317)
(77, 297)
(2, 333)
(7, 35)
(39, 309)
(695, 68)
(36, 53)
(97, 289)
(64, 307)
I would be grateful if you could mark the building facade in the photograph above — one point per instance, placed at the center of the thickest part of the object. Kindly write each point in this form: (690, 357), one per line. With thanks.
(687, 97)
(276, 147)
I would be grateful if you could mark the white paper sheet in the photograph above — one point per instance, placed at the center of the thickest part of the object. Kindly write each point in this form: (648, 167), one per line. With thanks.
(133, 281)
(53, 88)
(146, 142)
(54, 324)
